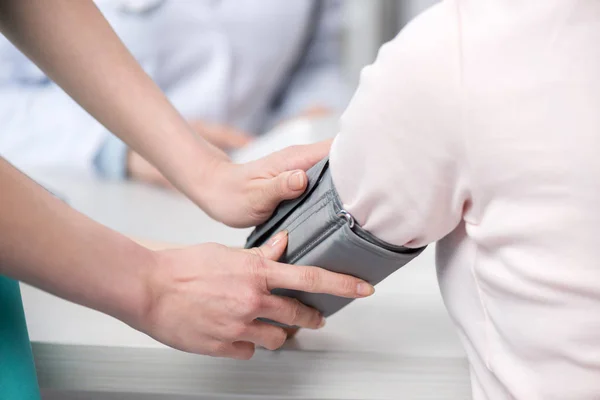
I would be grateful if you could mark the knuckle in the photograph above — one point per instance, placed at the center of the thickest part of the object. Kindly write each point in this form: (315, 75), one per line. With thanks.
(216, 349)
(257, 265)
(258, 270)
(217, 247)
(257, 251)
(348, 285)
(267, 195)
(252, 304)
(281, 186)
(258, 210)
(295, 312)
(310, 278)
(259, 202)
(238, 331)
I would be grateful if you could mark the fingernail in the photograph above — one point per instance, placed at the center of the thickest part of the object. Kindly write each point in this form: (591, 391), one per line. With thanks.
(364, 289)
(296, 180)
(277, 238)
(322, 323)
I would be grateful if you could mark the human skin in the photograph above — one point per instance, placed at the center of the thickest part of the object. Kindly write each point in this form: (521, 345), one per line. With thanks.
(181, 297)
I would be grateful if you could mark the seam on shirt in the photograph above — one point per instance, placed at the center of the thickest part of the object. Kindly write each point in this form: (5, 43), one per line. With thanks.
(463, 121)
(463, 124)
(486, 318)
(468, 167)
(465, 172)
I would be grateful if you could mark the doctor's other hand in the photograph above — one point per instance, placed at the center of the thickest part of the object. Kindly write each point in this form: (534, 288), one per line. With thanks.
(221, 136)
(141, 170)
(224, 137)
(243, 195)
(207, 299)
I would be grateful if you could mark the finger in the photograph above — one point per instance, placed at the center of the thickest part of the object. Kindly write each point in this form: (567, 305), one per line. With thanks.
(233, 139)
(295, 157)
(238, 350)
(316, 111)
(291, 312)
(288, 185)
(284, 175)
(315, 280)
(273, 249)
(269, 336)
(285, 186)
(221, 136)
(291, 332)
(225, 139)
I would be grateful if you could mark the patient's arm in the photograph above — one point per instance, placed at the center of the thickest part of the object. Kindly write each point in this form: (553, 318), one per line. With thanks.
(397, 161)
(397, 166)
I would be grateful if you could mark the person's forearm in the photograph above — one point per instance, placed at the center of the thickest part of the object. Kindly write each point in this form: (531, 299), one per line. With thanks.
(73, 43)
(47, 244)
(181, 297)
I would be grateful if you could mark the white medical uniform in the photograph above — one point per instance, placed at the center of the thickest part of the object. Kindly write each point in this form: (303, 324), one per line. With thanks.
(222, 61)
(479, 126)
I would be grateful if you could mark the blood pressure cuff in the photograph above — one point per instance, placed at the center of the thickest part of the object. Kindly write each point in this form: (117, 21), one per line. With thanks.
(322, 233)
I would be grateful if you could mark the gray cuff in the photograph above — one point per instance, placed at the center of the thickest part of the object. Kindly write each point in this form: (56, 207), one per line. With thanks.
(111, 160)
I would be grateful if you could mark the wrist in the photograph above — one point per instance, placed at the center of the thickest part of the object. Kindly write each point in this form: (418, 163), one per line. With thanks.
(205, 186)
(134, 296)
(155, 282)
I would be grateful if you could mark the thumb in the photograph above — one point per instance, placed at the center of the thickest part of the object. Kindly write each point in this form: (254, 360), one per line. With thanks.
(287, 185)
(274, 248)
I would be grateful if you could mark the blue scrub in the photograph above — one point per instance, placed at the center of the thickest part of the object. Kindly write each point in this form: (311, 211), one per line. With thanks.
(18, 379)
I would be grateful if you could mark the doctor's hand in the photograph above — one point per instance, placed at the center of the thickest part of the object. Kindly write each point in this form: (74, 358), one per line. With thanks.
(242, 195)
(141, 170)
(222, 136)
(206, 299)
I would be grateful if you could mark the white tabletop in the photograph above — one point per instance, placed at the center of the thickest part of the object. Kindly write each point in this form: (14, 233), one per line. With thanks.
(405, 319)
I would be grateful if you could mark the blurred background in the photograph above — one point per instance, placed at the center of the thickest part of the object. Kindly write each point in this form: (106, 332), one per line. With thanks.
(370, 23)
(251, 76)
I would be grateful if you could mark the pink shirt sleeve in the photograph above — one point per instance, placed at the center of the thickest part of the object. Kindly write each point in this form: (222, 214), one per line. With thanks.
(398, 161)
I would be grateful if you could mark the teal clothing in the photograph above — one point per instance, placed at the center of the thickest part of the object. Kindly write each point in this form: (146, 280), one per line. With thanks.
(18, 379)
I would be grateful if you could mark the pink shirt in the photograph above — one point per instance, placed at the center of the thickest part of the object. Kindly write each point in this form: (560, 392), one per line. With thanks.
(479, 127)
